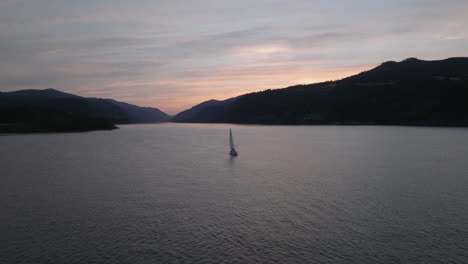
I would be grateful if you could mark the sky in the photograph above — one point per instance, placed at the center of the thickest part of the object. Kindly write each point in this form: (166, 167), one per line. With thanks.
(175, 54)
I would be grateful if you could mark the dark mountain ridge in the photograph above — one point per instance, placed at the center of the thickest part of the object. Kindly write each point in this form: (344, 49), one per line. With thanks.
(204, 112)
(53, 110)
(410, 92)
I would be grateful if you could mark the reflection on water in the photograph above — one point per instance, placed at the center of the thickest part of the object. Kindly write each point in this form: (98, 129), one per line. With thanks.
(171, 193)
(232, 160)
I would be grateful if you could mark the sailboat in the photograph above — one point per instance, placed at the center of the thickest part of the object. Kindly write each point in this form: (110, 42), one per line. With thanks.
(233, 151)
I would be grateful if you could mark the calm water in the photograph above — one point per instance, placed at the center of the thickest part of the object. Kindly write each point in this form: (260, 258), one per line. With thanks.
(170, 193)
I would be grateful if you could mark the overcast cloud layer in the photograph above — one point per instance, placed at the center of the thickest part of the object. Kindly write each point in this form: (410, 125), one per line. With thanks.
(173, 54)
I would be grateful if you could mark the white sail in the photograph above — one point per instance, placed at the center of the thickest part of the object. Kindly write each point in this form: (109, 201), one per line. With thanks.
(231, 141)
(233, 152)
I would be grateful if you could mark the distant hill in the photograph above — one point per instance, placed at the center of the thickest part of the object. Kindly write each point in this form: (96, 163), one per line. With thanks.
(410, 92)
(52, 110)
(204, 112)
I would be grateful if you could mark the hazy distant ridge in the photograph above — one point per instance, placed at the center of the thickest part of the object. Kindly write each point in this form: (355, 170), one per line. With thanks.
(410, 92)
(52, 110)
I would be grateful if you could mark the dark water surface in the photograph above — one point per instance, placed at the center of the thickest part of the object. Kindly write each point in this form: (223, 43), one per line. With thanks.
(170, 193)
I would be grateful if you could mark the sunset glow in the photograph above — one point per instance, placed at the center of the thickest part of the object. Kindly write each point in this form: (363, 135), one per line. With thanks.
(175, 54)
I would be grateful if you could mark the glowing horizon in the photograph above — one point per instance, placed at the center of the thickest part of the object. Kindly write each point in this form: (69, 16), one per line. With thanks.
(175, 54)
